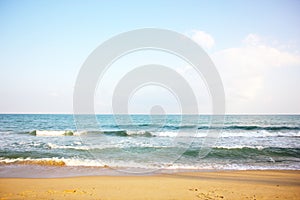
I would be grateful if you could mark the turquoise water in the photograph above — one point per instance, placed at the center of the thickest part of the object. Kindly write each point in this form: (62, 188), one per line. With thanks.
(152, 142)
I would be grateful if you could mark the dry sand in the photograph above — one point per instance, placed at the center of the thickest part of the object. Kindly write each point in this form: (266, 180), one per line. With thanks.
(200, 185)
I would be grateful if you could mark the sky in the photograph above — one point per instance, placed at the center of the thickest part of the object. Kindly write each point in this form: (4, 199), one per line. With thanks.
(255, 46)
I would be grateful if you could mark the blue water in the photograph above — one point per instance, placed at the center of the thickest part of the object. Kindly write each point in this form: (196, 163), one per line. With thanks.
(153, 142)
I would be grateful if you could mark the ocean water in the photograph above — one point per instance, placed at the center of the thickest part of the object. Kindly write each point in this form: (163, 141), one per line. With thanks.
(149, 143)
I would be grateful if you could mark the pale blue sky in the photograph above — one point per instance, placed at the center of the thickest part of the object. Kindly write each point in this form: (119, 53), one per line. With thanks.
(44, 43)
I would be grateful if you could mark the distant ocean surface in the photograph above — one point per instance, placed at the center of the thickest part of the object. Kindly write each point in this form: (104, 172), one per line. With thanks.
(150, 142)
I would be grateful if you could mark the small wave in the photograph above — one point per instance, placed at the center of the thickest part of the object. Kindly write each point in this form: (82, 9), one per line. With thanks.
(143, 133)
(150, 125)
(120, 133)
(259, 134)
(43, 162)
(175, 127)
(73, 133)
(55, 161)
(267, 128)
(246, 152)
(53, 133)
(166, 134)
(254, 127)
(140, 133)
(54, 146)
(226, 134)
(240, 147)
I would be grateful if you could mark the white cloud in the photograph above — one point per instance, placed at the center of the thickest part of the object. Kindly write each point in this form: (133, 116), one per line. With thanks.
(254, 55)
(203, 39)
(245, 70)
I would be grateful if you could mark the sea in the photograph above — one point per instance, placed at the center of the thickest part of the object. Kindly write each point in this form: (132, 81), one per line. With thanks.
(51, 145)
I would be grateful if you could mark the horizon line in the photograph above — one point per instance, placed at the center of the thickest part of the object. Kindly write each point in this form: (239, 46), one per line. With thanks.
(31, 113)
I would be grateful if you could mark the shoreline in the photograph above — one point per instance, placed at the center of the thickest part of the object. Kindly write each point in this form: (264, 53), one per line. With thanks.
(236, 184)
(50, 170)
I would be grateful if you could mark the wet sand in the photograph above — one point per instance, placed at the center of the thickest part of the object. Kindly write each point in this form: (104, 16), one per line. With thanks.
(196, 185)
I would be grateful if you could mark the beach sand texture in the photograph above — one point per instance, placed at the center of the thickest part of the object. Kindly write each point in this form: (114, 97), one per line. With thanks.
(248, 185)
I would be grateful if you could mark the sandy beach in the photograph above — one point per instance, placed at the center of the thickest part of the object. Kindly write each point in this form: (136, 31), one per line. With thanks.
(196, 185)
